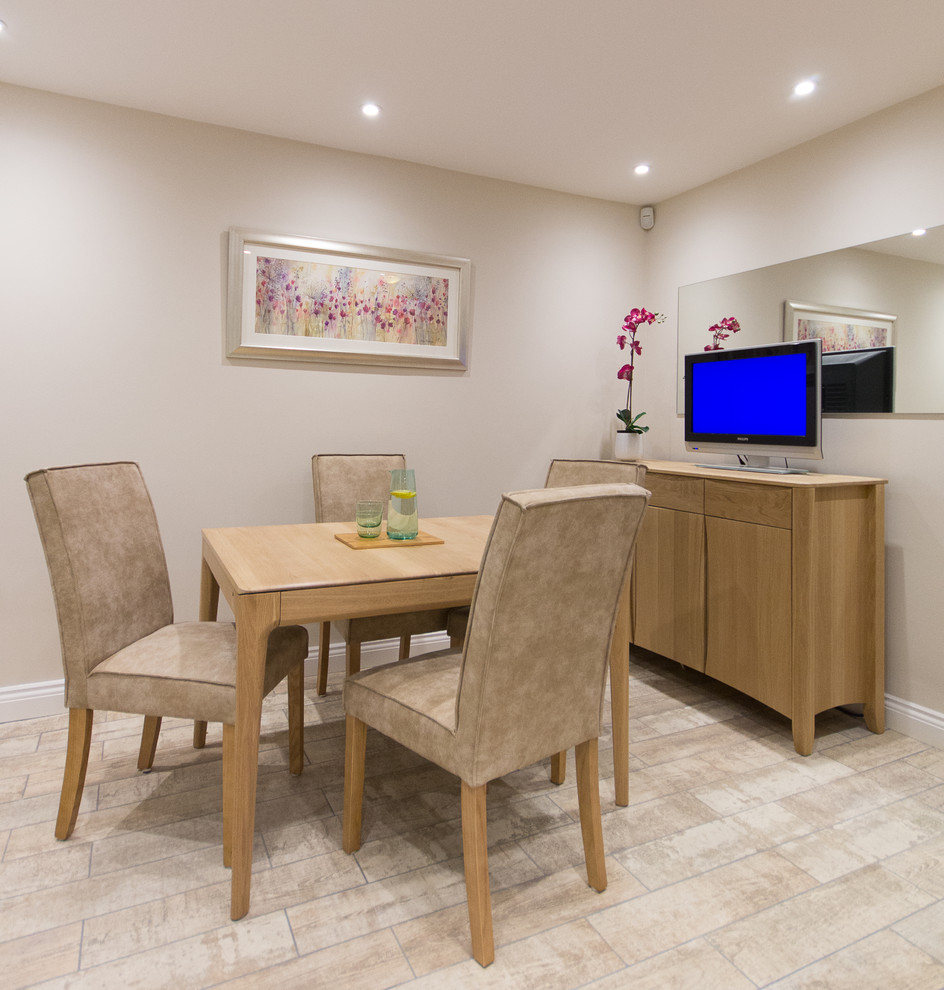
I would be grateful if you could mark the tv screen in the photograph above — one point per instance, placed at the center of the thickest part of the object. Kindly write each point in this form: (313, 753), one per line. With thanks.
(755, 400)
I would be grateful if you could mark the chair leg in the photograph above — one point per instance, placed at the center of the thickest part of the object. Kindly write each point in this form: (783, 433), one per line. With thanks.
(404, 647)
(199, 735)
(456, 642)
(324, 649)
(475, 855)
(73, 777)
(355, 750)
(353, 658)
(229, 762)
(588, 802)
(296, 718)
(149, 734)
(559, 767)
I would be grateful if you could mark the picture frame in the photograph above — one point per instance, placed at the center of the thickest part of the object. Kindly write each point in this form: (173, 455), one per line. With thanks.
(298, 298)
(839, 327)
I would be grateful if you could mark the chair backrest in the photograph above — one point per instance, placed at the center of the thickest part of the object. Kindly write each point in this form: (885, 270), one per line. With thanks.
(563, 473)
(542, 618)
(106, 563)
(339, 480)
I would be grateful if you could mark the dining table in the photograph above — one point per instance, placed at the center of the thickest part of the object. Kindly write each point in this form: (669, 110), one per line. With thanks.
(303, 573)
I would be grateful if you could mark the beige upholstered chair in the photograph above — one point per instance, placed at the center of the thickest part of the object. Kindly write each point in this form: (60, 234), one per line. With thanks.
(545, 603)
(121, 649)
(339, 480)
(560, 474)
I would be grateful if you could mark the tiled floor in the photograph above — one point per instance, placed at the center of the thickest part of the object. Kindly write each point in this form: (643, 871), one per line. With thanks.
(738, 864)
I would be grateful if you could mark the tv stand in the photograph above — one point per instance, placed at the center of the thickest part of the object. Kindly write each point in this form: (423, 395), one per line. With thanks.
(749, 467)
(771, 584)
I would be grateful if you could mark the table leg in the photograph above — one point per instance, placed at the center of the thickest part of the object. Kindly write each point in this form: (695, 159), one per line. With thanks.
(256, 617)
(209, 609)
(619, 698)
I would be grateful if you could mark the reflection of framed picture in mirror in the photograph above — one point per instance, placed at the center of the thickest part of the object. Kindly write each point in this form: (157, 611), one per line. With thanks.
(840, 328)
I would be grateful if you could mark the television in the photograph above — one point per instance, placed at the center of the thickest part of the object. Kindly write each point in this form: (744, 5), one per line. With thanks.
(860, 381)
(755, 402)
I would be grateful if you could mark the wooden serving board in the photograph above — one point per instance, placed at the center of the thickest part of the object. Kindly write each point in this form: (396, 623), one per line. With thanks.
(356, 542)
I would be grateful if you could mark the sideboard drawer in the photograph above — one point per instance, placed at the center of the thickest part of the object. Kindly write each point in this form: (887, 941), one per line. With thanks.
(670, 491)
(766, 505)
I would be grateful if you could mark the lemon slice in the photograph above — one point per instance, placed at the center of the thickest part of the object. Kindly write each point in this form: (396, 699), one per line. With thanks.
(403, 494)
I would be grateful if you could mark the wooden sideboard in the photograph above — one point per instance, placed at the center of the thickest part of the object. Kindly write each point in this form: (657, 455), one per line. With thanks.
(772, 584)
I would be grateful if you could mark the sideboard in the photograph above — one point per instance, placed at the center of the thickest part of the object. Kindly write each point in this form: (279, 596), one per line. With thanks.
(772, 584)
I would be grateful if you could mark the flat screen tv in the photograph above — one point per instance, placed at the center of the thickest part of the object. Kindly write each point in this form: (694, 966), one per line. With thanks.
(860, 381)
(755, 401)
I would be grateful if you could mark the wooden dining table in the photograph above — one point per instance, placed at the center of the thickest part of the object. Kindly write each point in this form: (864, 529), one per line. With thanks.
(295, 574)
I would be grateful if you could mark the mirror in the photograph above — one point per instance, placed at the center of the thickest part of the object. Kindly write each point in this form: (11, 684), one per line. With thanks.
(900, 277)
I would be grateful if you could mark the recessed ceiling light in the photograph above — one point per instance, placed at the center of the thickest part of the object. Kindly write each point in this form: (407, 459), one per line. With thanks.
(641, 169)
(920, 232)
(370, 110)
(3, 26)
(804, 88)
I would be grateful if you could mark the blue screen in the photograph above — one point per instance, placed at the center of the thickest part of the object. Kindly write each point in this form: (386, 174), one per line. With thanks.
(758, 396)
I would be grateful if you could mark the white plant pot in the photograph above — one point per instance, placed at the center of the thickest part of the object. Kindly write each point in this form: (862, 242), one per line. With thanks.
(628, 446)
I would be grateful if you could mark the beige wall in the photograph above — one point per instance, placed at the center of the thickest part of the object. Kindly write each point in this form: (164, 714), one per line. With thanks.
(872, 179)
(111, 249)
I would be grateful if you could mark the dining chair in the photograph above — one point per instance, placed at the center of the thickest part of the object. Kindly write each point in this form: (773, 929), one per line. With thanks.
(545, 604)
(121, 649)
(338, 481)
(562, 473)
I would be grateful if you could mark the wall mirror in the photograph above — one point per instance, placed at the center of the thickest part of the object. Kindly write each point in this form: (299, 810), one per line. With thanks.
(899, 277)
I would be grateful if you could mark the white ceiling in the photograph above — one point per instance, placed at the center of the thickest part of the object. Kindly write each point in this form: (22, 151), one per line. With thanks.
(566, 94)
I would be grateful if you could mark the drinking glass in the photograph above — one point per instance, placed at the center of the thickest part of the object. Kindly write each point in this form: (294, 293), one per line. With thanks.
(402, 520)
(369, 515)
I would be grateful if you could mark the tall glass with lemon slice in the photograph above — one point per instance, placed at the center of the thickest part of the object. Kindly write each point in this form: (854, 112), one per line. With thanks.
(402, 520)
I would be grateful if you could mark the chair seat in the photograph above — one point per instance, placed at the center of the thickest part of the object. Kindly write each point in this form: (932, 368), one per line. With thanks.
(372, 627)
(186, 670)
(411, 700)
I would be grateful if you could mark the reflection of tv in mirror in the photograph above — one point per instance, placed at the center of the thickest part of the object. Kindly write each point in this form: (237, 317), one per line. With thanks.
(861, 381)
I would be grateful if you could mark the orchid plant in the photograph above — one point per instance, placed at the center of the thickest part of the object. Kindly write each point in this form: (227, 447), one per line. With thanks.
(721, 331)
(627, 338)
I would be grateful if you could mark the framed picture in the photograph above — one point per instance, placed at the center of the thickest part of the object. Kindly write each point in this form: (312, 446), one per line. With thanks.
(840, 329)
(302, 299)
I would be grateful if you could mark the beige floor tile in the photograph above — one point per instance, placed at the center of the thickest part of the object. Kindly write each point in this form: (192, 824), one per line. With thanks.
(786, 937)
(396, 899)
(372, 962)
(442, 938)
(569, 956)
(926, 930)
(34, 958)
(771, 783)
(686, 854)
(13, 788)
(880, 961)
(922, 865)
(874, 750)
(62, 864)
(673, 915)
(204, 960)
(693, 966)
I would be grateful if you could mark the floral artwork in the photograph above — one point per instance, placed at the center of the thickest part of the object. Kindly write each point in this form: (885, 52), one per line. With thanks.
(305, 299)
(299, 298)
(842, 336)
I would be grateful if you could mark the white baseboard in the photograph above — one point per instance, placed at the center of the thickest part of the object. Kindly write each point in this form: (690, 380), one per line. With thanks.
(923, 724)
(20, 701)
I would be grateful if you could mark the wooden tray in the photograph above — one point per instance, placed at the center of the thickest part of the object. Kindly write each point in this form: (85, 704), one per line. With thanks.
(356, 542)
